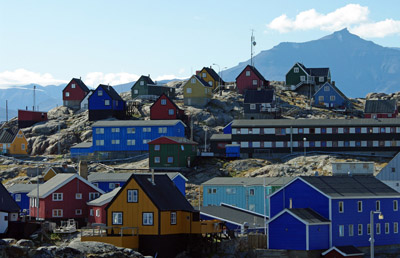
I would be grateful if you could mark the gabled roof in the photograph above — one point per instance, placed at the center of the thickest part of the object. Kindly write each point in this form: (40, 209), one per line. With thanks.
(333, 87)
(168, 99)
(81, 84)
(104, 198)
(347, 250)
(386, 173)
(163, 193)
(318, 71)
(248, 181)
(257, 73)
(258, 96)
(380, 106)
(110, 91)
(7, 135)
(234, 215)
(350, 186)
(119, 177)
(21, 188)
(57, 182)
(59, 170)
(203, 82)
(111, 123)
(7, 203)
(308, 215)
(213, 74)
(172, 140)
(146, 79)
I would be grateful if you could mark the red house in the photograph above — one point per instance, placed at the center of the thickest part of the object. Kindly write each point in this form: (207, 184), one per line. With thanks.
(343, 251)
(63, 197)
(380, 108)
(250, 79)
(28, 118)
(74, 93)
(165, 109)
(97, 207)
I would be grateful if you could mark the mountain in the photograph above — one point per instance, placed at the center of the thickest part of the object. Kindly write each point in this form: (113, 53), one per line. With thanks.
(358, 66)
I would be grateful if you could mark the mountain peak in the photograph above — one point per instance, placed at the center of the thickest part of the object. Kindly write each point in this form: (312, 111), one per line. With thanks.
(341, 35)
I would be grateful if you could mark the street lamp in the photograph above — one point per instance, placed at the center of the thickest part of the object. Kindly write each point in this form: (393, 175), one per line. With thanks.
(219, 79)
(304, 145)
(372, 229)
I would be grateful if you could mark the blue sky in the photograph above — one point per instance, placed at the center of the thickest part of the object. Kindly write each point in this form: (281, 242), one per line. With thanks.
(49, 42)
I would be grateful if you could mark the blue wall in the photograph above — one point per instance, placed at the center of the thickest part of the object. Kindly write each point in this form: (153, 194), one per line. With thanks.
(97, 102)
(24, 203)
(318, 237)
(302, 195)
(339, 100)
(76, 152)
(286, 232)
(228, 128)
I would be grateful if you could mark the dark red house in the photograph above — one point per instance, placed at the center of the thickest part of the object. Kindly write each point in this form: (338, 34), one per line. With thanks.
(165, 109)
(63, 197)
(74, 93)
(28, 118)
(380, 108)
(97, 207)
(250, 79)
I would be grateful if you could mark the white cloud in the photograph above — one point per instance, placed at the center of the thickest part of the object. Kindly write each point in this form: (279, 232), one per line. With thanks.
(22, 76)
(352, 16)
(346, 16)
(95, 78)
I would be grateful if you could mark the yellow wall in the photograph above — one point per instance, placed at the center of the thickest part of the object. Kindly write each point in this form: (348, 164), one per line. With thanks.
(183, 221)
(208, 78)
(49, 174)
(198, 90)
(19, 141)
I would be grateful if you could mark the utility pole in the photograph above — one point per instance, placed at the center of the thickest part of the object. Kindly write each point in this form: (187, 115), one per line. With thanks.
(252, 43)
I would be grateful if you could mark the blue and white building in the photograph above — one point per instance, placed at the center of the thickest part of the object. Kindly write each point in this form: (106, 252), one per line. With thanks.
(19, 193)
(319, 212)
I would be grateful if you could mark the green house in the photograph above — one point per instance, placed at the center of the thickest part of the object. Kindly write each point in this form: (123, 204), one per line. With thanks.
(146, 88)
(168, 152)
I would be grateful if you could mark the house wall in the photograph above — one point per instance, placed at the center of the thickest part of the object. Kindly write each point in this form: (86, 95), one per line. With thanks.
(381, 115)
(76, 152)
(74, 94)
(3, 222)
(105, 186)
(182, 226)
(180, 157)
(102, 215)
(228, 128)
(50, 173)
(286, 232)
(161, 112)
(19, 145)
(23, 203)
(318, 237)
(138, 90)
(208, 78)
(27, 118)
(97, 102)
(138, 136)
(302, 195)
(293, 78)
(244, 82)
(327, 93)
(200, 94)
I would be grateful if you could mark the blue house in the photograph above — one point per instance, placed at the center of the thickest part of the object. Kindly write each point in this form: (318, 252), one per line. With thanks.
(105, 103)
(228, 128)
(331, 97)
(109, 181)
(243, 192)
(312, 213)
(19, 194)
(127, 135)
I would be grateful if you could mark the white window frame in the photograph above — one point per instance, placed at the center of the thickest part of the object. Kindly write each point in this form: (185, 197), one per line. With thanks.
(78, 196)
(378, 205)
(359, 206)
(99, 93)
(189, 90)
(252, 106)
(131, 142)
(147, 219)
(91, 212)
(97, 213)
(395, 205)
(321, 79)
(332, 98)
(106, 102)
(117, 218)
(296, 70)
(351, 230)
(163, 102)
(303, 78)
(78, 211)
(93, 195)
(173, 218)
(395, 227)
(360, 229)
(248, 73)
(341, 230)
(66, 94)
(255, 82)
(57, 197)
(100, 130)
(115, 130)
(378, 228)
(387, 228)
(132, 195)
(115, 141)
(72, 85)
(141, 83)
(157, 159)
(131, 130)
(341, 207)
(57, 213)
(17, 197)
(99, 142)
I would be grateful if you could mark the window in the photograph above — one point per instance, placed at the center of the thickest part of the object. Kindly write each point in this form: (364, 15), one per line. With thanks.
(114, 141)
(106, 102)
(360, 229)
(173, 218)
(132, 195)
(163, 102)
(157, 147)
(17, 197)
(91, 212)
(351, 230)
(302, 78)
(332, 98)
(135, 92)
(359, 204)
(93, 196)
(78, 196)
(147, 218)
(230, 191)
(395, 227)
(387, 228)
(209, 83)
(141, 83)
(57, 197)
(193, 80)
(73, 85)
(252, 192)
(171, 112)
(57, 213)
(393, 169)
(321, 79)
(99, 130)
(100, 142)
(157, 160)
(321, 98)
(212, 190)
(188, 90)
(252, 106)
(67, 94)
(130, 142)
(341, 230)
(296, 70)
(368, 229)
(326, 88)
(97, 213)
(170, 160)
(78, 212)
(162, 130)
(100, 93)
(378, 228)
(341, 207)
(145, 141)
(378, 205)
(395, 205)
(255, 82)
(117, 218)
(204, 75)
(130, 130)
(247, 73)
(115, 130)
(146, 129)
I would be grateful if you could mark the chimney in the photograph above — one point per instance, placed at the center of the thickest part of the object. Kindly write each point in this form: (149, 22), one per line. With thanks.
(83, 169)
(197, 72)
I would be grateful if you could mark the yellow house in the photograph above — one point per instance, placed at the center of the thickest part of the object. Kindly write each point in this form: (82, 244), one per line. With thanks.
(50, 172)
(196, 91)
(13, 141)
(211, 77)
(162, 221)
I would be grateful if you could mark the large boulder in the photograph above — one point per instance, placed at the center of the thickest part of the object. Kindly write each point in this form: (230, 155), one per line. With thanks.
(48, 128)
(99, 249)
(59, 112)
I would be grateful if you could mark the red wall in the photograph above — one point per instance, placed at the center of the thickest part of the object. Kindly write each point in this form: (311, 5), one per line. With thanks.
(102, 218)
(69, 204)
(28, 115)
(160, 112)
(244, 82)
(382, 115)
(74, 94)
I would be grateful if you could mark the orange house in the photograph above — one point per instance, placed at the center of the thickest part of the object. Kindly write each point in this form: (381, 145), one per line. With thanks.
(13, 141)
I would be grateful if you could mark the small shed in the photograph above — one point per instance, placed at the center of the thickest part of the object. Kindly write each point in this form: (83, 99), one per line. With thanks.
(353, 168)
(27, 118)
(343, 251)
(232, 150)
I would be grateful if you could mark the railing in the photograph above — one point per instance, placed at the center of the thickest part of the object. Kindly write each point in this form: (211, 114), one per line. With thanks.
(101, 230)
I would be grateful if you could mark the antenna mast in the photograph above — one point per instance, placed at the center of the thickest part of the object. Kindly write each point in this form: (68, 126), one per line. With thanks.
(34, 98)
(252, 43)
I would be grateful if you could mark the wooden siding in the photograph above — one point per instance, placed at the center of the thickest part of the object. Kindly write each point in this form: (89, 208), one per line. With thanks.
(200, 94)
(293, 78)
(161, 112)
(208, 78)
(323, 97)
(76, 93)
(244, 82)
(182, 226)
(180, 157)
(19, 145)
(51, 173)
